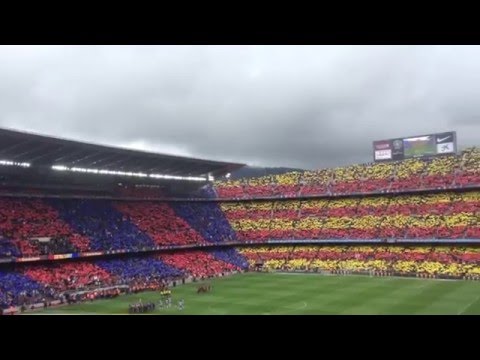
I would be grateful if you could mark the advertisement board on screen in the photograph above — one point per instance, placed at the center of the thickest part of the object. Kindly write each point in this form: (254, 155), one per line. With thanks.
(415, 147)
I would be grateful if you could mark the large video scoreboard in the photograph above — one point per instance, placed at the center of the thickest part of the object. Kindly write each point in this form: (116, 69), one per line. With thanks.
(415, 147)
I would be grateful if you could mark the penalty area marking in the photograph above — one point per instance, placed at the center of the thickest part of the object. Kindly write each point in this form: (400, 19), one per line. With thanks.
(303, 305)
(468, 305)
(295, 273)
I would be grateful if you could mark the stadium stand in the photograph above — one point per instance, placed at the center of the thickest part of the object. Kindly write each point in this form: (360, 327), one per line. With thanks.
(17, 289)
(63, 276)
(207, 219)
(72, 225)
(448, 215)
(58, 226)
(106, 227)
(31, 283)
(446, 262)
(416, 200)
(413, 174)
(138, 269)
(231, 256)
(159, 222)
(35, 228)
(198, 264)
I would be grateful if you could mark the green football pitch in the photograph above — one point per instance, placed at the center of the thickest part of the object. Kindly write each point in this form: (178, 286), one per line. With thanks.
(276, 293)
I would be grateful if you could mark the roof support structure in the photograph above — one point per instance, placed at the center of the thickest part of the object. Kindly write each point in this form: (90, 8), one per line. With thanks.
(42, 152)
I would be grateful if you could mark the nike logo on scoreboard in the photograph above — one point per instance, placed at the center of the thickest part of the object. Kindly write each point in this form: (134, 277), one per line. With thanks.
(439, 140)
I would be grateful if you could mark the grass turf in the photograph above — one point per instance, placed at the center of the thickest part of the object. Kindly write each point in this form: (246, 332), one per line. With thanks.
(276, 293)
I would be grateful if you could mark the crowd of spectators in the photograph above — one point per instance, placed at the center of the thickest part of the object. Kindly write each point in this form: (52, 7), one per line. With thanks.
(456, 262)
(29, 283)
(24, 221)
(58, 226)
(230, 256)
(207, 219)
(450, 171)
(447, 215)
(106, 228)
(160, 222)
(18, 289)
(198, 264)
(63, 276)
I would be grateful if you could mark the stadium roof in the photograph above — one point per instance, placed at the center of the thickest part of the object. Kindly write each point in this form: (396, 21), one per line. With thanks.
(46, 151)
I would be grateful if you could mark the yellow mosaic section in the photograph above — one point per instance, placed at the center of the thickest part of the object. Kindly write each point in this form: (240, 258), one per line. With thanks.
(377, 201)
(365, 222)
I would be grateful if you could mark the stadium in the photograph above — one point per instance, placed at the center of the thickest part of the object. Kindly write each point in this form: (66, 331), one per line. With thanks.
(93, 229)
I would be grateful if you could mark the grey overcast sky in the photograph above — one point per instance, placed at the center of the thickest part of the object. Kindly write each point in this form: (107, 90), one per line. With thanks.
(295, 106)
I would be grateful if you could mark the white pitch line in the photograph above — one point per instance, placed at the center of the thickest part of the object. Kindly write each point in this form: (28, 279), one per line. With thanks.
(295, 273)
(361, 275)
(468, 305)
(302, 307)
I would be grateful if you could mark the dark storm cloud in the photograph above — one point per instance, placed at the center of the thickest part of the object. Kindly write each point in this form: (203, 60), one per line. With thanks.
(299, 106)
